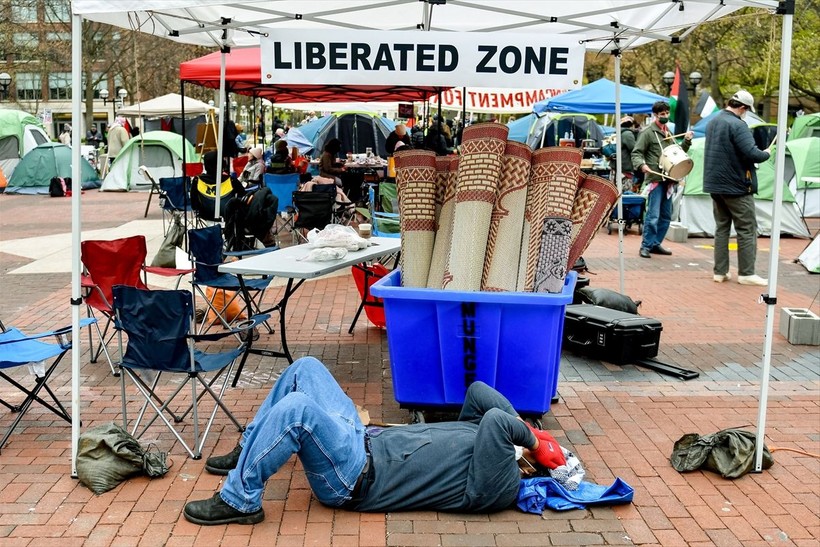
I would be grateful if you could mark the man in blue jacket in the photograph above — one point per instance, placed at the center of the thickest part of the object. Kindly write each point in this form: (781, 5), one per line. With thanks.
(730, 176)
(468, 465)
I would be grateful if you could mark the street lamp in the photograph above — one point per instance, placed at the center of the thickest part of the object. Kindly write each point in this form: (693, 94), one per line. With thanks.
(234, 105)
(104, 96)
(695, 78)
(122, 94)
(5, 82)
(669, 79)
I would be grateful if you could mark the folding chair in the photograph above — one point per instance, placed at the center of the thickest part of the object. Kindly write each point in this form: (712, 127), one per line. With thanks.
(283, 186)
(154, 187)
(158, 326)
(17, 350)
(313, 210)
(383, 224)
(207, 251)
(175, 199)
(108, 263)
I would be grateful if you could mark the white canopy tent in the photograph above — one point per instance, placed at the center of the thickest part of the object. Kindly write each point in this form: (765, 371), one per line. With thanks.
(167, 105)
(601, 25)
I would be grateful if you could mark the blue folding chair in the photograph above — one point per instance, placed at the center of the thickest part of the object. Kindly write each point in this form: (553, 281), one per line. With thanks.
(207, 249)
(158, 325)
(283, 186)
(383, 224)
(175, 200)
(17, 350)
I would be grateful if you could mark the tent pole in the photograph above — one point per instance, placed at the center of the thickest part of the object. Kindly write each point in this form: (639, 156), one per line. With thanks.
(221, 134)
(76, 230)
(618, 159)
(786, 8)
(184, 162)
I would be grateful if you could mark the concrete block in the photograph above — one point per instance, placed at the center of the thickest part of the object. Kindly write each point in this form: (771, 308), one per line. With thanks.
(800, 326)
(677, 233)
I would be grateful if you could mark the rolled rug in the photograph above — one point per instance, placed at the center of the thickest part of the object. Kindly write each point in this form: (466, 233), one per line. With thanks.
(507, 222)
(550, 269)
(550, 193)
(444, 220)
(416, 185)
(593, 203)
(476, 187)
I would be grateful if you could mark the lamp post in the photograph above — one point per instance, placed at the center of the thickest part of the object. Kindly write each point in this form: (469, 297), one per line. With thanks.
(5, 82)
(234, 106)
(122, 94)
(669, 79)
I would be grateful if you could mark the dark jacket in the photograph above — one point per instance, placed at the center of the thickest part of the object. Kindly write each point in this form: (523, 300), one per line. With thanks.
(730, 156)
(281, 164)
(327, 166)
(627, 144)
(392, 139)
(648, 150)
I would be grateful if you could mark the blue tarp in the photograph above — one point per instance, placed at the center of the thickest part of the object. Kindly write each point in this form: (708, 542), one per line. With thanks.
(599, 98)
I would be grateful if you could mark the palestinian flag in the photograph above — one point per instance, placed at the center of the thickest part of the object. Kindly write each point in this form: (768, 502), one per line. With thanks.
(706, 105)
(679, 102)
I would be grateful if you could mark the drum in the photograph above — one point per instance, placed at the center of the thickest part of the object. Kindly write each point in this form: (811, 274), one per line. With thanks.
(675, 163)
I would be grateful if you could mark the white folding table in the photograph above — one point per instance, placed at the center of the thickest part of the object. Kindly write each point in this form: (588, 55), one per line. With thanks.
(290, 262)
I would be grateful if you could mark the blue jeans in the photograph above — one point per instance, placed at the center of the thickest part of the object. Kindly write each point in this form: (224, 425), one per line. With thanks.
(657, 219)
(308, 414)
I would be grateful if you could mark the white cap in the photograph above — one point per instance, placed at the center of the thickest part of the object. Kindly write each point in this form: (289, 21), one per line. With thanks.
(745, 98)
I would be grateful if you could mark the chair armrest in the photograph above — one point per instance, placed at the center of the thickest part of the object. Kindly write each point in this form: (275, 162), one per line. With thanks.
(248, 324)
(58, 333)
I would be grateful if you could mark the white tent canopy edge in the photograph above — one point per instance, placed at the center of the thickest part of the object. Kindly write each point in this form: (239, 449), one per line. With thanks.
(607, 25)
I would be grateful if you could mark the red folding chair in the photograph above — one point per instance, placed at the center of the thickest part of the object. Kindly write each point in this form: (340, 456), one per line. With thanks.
(108, 263)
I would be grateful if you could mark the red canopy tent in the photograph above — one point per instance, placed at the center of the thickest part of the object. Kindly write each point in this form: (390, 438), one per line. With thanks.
(243, 75)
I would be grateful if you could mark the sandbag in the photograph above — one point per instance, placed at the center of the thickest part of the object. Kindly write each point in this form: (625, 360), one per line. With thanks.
(107, 455)
(730, 452)
(608, 299)
(166, 255)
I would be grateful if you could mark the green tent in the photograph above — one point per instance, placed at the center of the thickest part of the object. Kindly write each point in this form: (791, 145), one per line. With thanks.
(158, 151)
(35, 171)
(803, 159)
(20, 132)
(805, 126)
(696, 205)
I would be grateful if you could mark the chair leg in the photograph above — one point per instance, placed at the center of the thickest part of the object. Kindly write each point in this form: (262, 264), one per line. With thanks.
(147, 205)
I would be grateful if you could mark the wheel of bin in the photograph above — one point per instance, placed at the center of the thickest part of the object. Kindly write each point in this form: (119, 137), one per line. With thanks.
(608, 228)
(640, 228)
(417, 417)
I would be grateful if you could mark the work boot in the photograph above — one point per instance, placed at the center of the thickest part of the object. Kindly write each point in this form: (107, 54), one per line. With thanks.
(752, 280)
(215, 511)
(660, 250)
(222, 465)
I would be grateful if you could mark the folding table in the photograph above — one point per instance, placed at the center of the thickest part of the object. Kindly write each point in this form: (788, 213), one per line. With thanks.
(290, 262)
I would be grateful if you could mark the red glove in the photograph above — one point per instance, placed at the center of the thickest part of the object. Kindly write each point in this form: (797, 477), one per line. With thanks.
(549, 453)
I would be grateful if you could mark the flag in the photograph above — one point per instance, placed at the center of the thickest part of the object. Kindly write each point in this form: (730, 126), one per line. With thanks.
(679, 102)
(706, 105)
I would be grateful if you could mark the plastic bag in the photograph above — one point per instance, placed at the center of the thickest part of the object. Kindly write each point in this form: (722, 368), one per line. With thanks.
(325, 254)
(608, 298)
(107, 455)
(336, 235)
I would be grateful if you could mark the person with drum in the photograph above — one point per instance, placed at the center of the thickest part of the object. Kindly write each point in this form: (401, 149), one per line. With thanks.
(646, 156)
(730, 176)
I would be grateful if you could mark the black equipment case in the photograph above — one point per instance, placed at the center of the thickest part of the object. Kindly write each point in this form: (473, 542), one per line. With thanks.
(611, 335)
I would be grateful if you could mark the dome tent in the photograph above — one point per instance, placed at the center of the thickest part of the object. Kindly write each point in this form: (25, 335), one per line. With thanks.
(357, 131)
(159, 151)
(35, 171)
(20, 132)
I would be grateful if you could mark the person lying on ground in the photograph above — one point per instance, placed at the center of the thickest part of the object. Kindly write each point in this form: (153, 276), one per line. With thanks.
(467, 465)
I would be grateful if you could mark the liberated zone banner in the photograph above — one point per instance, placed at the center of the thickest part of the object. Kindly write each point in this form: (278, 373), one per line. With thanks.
(422, 58)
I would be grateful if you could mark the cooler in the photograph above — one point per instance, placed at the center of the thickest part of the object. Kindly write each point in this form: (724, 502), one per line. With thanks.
(441, 341)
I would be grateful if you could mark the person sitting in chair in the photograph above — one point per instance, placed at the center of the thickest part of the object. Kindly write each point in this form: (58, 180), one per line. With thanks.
(328, 165)
(467, 465)
(252, 173)
(203, 187)
(281, 162)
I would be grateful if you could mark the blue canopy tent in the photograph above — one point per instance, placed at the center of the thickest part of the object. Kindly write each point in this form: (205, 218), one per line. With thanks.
(599, 98)
(357, 131)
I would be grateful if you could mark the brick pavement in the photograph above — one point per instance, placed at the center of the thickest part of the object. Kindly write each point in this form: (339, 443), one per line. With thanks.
(621, 421)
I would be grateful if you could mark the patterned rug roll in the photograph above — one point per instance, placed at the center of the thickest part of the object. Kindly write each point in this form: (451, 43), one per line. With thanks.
(507, 223)
(551, 192)
(476, 188)
(593, 203)
(416, 185)
(444, 219)
(550, 269)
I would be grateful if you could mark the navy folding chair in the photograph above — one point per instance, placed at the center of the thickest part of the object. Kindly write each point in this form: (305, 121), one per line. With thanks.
(283, 186)
(175, 200)
(158, 325)
(18, 350)
(207, 249)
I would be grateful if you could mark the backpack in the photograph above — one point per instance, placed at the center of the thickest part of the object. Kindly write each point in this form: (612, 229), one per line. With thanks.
(59, 187)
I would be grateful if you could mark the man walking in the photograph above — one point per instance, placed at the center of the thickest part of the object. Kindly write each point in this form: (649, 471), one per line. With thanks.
(646, 156)
(730, 176)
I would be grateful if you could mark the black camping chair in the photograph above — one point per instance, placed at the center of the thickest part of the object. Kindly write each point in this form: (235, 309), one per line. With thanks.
(313, 209)
(160, 340)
